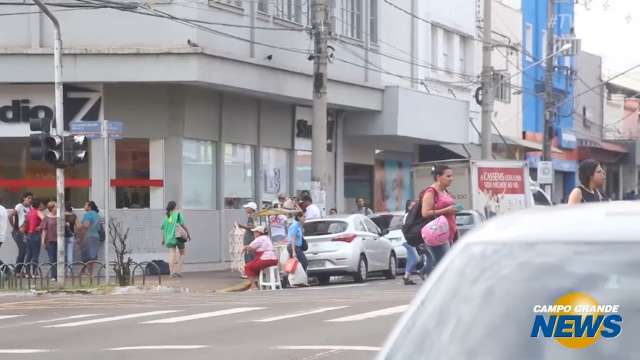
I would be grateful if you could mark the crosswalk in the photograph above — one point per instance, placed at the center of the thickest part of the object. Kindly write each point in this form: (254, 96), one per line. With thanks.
(245, 314)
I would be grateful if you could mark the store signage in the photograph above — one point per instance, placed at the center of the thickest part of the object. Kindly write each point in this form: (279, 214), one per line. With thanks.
(21, 110)
(21, 103)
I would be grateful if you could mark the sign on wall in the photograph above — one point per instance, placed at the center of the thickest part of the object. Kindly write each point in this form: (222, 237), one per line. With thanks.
(21, 103)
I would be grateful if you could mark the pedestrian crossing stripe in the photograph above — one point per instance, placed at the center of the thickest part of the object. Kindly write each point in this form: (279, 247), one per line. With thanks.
(178, 319)
(294, 315)
(372, 314)
(112, 318)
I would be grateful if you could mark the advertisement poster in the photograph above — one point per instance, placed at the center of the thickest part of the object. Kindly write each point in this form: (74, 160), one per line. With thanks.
(500, 190)
(392, 186)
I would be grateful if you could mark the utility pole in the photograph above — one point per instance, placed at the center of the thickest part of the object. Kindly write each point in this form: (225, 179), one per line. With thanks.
(319, 135)
(57, 62)
(488, 88)
(549, 106)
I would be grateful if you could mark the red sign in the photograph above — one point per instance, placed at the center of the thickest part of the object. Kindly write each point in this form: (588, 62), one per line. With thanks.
(43, 183)
(501, 180)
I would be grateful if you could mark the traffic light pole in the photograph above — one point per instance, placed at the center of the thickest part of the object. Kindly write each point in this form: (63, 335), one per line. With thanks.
(57, 60)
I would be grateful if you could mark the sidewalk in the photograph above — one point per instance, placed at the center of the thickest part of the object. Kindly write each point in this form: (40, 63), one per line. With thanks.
(206, 281)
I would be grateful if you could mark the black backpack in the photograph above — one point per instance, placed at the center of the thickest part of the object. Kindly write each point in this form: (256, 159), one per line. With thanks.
(412, 228)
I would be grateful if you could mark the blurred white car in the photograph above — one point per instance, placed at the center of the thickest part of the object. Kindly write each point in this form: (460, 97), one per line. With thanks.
(478, 302)
(348, 245)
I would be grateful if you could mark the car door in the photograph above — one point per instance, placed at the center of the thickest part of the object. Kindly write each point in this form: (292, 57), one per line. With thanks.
(367, 240)
(379, 250)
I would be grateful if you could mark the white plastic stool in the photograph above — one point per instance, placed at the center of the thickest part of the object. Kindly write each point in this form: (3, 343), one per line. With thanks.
(270, 278)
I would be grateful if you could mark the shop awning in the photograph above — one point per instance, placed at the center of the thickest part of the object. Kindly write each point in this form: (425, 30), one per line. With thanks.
(525, 144)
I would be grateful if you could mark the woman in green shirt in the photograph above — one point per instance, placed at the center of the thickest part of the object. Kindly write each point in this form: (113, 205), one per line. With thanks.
(170, 223)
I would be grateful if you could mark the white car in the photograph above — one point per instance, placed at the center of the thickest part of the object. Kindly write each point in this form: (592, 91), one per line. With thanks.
(348, 245)
(478, 302)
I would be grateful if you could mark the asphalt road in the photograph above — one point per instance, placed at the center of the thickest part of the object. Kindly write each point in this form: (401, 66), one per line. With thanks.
(346, 321)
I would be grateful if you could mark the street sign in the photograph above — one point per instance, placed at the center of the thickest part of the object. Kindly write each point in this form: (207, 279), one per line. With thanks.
(115, 129)
(545, 172)
(90, 129)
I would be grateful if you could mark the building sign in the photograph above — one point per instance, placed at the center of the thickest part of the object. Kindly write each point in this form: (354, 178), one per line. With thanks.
(568, 139)
(21, 103)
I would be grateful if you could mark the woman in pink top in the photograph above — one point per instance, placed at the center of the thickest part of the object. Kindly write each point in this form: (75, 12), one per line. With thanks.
(437, 201)
(264, 258)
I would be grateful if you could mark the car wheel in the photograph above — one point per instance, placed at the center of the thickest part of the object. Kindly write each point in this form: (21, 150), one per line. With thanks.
(324, 279)
(393, 268)
(361, 275)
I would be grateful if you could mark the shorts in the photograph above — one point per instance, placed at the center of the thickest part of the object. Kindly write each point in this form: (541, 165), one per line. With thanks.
(180, 244)
(253, 268)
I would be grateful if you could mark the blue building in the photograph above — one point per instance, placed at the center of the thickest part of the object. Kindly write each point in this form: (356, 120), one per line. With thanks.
(564, 156)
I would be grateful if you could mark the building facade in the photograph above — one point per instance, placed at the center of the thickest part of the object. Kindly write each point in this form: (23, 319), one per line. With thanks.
(564, 157)
(216, 107)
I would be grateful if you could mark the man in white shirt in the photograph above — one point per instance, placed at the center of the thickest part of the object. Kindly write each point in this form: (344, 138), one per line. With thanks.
(4, 224)
(18, 231)
(312, 211)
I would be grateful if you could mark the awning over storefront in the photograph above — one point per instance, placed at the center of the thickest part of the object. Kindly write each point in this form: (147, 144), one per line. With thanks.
(410, 113)
(600, 150)
(525, 144)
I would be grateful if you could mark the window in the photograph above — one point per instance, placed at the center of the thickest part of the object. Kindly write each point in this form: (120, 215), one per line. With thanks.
(19, 174)
(132, 164)
(351, 13)
(321, 228)
(462, 65)
(371, 227)
(236, 3)
(435, 48)
(263, 6)
(275, 173)
(586, 118)
(238, 173)
(198, 174)
(373, 21)
(447, 52)
(302, 172)
(540, 199)
(293, 10)
(528, 38)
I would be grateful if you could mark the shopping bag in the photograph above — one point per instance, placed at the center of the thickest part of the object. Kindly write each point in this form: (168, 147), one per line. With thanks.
(436, 232)
(291, 265)
(299, 277)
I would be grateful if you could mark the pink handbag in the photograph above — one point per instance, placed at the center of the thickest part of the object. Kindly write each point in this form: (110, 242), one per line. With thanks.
(436, 232)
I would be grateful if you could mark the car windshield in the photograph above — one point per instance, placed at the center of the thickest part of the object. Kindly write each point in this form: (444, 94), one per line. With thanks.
(540, 199)
(464, 219)
(482, 306)
(388, 222)
(325, 227)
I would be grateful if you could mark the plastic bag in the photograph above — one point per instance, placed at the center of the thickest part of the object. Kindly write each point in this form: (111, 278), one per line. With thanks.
(299, 278)
(291, 266)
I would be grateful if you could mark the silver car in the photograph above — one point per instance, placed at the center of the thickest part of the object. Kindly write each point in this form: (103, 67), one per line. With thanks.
(480, 301)
(348, 245)
(466, 220)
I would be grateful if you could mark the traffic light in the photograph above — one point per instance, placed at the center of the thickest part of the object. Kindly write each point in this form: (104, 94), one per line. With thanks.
(37, 141)
(75, 149)
(54, 153)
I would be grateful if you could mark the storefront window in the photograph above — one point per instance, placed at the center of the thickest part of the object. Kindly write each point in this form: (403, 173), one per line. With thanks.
(132, 167)
(19, 174)
(239, 180)
(302, 174)
(275, 173)
(198, 174)
(358, 182)
(392, 185)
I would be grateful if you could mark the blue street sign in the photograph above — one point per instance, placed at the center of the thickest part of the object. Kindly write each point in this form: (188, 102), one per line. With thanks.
(89, 129)
(115, 129)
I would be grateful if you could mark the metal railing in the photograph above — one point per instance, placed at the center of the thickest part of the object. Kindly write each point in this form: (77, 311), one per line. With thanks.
(33, 276)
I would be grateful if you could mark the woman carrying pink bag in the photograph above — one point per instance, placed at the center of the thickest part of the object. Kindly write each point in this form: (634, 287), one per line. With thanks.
(438, 204)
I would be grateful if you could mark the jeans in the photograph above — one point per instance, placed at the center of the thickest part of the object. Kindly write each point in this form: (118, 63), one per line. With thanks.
(69, 247)
(52, 252)
(438, 253)
(302, 258)
(32, 258)
(412, 259)
(19, 238)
